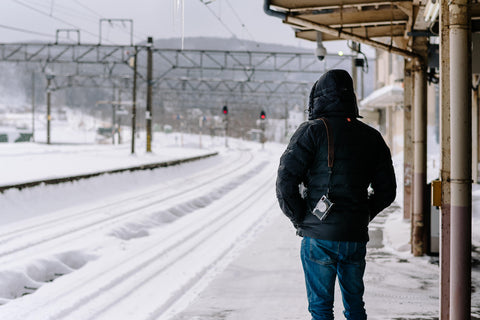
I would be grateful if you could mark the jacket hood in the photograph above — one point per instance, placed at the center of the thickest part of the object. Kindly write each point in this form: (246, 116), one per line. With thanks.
(333, 95)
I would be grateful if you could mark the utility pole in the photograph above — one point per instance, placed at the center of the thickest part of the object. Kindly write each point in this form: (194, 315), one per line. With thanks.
(148, 115)
(114, 107)
(263, 118)
(119, 118)
(225, 114)
(419, 148)
(33, 106)
(49, 92)
(134, 99)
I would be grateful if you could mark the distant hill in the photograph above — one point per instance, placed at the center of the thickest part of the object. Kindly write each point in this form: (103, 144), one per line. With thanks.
(215, 43)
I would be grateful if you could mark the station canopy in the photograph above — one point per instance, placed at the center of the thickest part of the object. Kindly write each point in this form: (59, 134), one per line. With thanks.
(391, 22)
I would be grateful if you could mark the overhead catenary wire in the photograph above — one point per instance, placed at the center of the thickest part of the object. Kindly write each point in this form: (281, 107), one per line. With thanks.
(88, 9)
(56, 9)
(69, 12)
(53, 17)
(241, 21)
(221, 21)
(26, 31)
(100, 16)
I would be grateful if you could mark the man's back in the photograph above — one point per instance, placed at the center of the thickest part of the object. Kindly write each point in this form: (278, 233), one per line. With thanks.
(362, 163)
(361, 159)
(360, 182)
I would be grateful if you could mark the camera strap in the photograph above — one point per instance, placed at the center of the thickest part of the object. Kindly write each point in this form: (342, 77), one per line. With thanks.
(331, 152)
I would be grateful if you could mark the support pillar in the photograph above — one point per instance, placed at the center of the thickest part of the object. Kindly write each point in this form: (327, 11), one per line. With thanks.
(461, 159)
(420, 160)
(49, 98)
(33, 106)
(407, 140)
(114, 114)
(354, 72)
(475, 132)
(444, 163)
(148, 115)
(134, 99)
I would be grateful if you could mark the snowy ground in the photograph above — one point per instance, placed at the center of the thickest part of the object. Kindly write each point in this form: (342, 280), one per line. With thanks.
(203, 240)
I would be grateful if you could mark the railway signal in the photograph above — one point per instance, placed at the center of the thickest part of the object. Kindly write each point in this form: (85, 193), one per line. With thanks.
(225, 113)
(263, 115)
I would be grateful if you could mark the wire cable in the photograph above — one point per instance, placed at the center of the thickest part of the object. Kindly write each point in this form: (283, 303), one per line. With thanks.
(60, 9)
(25, 31)
(221, 21)
(53, 17)
(241, 21)
(100, 16)
(69, 11)
(88, 9)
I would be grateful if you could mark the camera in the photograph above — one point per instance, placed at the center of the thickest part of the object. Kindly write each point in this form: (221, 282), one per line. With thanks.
(320, 52)
(322, 208)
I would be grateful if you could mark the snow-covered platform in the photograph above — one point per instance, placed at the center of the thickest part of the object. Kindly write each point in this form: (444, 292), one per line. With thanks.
(266, 281)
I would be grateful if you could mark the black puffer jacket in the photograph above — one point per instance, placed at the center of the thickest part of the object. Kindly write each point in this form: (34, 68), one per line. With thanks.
(362, 160)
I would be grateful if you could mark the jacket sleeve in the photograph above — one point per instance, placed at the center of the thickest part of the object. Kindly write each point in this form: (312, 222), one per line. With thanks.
(383, 181)
(294, 165)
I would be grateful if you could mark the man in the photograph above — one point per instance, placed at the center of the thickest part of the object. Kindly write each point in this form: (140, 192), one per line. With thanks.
(356, 176)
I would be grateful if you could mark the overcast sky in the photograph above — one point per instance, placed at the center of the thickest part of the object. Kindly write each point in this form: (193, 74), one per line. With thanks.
(40, 19)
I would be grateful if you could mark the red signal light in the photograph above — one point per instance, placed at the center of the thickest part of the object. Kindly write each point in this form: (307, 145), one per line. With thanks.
(225, 110)
(262, 115)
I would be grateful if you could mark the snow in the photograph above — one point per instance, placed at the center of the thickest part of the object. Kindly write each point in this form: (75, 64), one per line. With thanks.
(27, 162)
(201, 240)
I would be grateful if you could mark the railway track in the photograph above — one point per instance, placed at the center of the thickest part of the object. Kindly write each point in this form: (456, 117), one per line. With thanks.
(204, 220)
(68, 223)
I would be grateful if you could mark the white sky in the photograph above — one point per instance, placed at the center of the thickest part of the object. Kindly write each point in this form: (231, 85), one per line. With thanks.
(157, 18)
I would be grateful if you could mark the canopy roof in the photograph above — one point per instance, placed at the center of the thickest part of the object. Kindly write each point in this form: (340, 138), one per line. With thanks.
(392, 22)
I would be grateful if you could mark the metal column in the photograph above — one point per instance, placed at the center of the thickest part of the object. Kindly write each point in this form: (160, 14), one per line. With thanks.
(407, 141)
(461, 159)
(445, 163)
(33, 106)
(475, 131)
(114, 108)
(148, 113)
(49, 98)
(134, 99)
(354, 73)
(420, 160)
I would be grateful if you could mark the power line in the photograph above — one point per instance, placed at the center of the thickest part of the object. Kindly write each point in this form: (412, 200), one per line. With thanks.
(221, 21)
(59, 8)
(88, 9)
(53, 17)
(25, 31)
(240, 20)
(100, 16)
(72, 12)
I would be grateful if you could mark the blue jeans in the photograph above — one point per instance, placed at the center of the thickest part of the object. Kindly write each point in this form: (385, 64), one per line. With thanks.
(323, 261)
